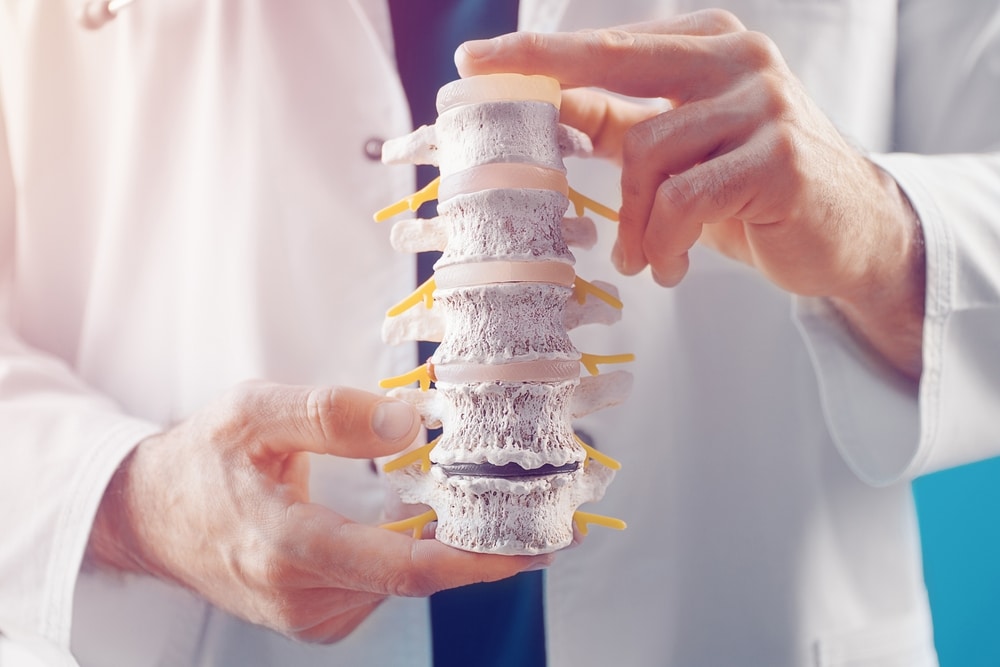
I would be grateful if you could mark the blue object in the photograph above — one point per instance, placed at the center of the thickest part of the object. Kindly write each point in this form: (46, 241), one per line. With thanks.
(959, 513)
(499, 624)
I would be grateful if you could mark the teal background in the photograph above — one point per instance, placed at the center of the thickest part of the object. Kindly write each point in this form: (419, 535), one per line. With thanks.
(959, 514)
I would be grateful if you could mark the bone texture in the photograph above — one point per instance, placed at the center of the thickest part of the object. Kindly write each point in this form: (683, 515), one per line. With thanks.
(500, 422)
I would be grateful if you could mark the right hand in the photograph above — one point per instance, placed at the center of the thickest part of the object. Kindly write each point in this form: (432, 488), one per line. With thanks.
(220, 504)
(742, 161)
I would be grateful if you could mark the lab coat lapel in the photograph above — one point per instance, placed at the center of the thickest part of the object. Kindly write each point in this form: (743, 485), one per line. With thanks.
(374, 16)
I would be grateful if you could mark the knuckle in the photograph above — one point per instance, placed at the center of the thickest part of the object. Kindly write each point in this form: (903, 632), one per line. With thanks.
(776, 98)
(642, 141)
(630, 219)
(234, 414)
(402, 584)
(677, 193)
(527, 43)
(409, 582)
(265, 570)
(611, 39)
(610, 51)
(288, 611)
(276, 571)
(330, 411)
(266, 556)
(784, 149)
(635, 144)
(757, 51)
(281, 605)
(721, 20)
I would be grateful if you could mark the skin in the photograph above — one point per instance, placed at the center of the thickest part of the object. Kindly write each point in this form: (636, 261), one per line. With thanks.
(743, 161)
(220, 504)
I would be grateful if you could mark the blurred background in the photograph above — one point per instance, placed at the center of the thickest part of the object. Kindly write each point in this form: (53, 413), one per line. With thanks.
(959, 512)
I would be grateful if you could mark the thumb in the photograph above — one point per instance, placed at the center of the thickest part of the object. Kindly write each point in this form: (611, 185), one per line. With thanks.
(327, 420)
(603, 117)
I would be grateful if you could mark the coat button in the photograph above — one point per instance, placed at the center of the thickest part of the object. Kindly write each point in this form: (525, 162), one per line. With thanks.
(373, 148)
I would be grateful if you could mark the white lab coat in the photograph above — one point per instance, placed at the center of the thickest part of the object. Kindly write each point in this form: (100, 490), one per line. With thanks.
(185, 202)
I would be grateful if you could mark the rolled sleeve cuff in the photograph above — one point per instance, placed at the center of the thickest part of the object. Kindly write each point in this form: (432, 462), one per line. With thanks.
(871, 411)
(886, 429)
(76, 520)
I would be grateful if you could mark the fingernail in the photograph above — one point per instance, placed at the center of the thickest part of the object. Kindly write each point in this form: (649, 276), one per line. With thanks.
(393, 419)
(618, 257)
(479, 48)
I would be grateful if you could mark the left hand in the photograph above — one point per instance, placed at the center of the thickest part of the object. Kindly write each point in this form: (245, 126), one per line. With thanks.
(220, 504)
(743, 161)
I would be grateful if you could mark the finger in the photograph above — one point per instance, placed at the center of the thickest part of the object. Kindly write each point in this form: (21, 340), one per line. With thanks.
(602, 117)
(402, 566)
(338, 627)
(638, 64)
(703, 22)
(666, 247)
(326, 420)
(337, 553)
(668, 144)
(296, 611)
(728, 238)
(440, 567)
(725, 188)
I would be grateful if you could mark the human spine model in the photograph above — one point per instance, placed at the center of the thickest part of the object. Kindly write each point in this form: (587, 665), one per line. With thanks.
(508, 473)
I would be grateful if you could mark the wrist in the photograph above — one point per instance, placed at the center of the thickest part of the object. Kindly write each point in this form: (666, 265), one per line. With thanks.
(886, 307)
(114, 542)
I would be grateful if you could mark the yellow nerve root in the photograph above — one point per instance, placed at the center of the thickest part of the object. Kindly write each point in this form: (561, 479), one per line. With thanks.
(421, 374)
(581, 288)
(590, 361)
(423, 293)
(412, 203)
(582, 519)
(601, 458)
(417, 523)
(580, 203)
(421, 454)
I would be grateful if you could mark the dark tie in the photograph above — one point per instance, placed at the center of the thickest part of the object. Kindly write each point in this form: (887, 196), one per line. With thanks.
(484, 625)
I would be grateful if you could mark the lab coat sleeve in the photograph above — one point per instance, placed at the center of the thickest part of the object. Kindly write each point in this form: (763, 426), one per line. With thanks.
(60, 442)
(948, 91)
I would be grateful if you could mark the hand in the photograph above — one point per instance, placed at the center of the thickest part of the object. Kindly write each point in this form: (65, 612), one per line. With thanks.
(220, 504)
(743, 161)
